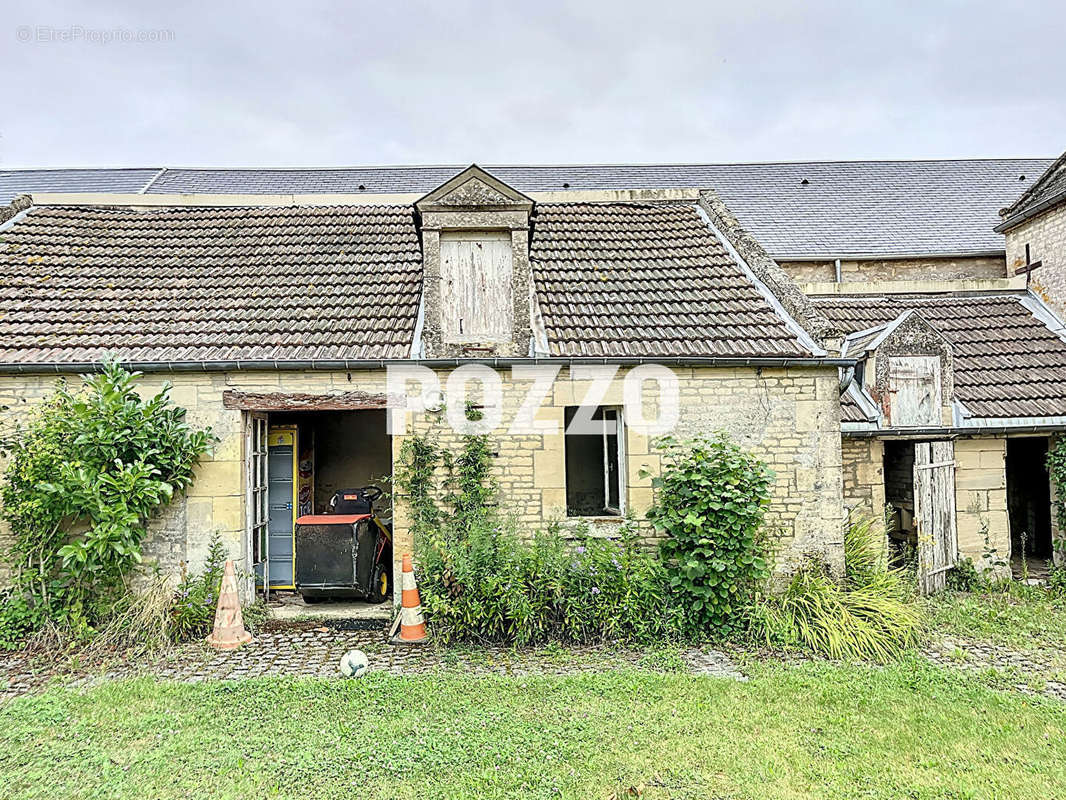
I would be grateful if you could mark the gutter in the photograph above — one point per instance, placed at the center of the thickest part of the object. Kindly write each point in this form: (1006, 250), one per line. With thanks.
(1030, 212)
(887, 256)
(348, 365)
(950, 432)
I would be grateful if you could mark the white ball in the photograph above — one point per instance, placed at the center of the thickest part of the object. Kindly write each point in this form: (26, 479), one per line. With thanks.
(354, 664)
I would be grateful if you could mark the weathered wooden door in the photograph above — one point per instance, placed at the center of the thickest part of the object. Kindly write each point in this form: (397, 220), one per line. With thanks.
(934, 513)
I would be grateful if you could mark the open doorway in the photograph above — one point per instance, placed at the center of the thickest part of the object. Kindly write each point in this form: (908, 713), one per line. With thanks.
(1029, 505)
(302, 464)
(899, 498)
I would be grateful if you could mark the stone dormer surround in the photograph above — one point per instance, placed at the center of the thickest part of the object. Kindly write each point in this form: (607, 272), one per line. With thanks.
(907, 337)
(469, 205)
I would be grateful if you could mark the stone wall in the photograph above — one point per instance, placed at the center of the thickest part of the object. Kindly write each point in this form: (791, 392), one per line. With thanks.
(790, 417)
(909, 269)
(1046, 236)
(864, 476)
(981, 497)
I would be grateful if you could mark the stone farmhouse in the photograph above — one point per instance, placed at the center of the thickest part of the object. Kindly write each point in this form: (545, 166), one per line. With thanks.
(863, 326)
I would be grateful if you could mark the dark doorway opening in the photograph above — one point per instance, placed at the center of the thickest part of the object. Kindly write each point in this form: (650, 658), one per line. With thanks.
(899, 497)
(1029, 498)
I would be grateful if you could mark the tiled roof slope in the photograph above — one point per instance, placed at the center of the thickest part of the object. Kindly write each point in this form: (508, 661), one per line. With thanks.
(850, 411)
(14, 182)
(202, 284)
(1007, 362)
(642, 279)
(845, 208)
(1049, 189)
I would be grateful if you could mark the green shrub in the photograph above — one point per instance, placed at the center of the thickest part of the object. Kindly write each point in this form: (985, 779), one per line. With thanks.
(710, 501)
(1056, 580)
(871, 615)
(85, 475)
(20, 615)
(481, 580)
(963, 577)
(487, 583)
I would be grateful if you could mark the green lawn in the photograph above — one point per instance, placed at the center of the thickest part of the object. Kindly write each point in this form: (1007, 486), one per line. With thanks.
(907, 731)
(1021, 617)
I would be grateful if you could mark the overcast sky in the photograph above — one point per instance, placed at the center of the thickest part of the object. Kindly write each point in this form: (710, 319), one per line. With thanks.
(399, 82)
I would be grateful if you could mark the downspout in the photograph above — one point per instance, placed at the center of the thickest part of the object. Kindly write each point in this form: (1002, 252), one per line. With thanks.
(837, 265)
(847, 377)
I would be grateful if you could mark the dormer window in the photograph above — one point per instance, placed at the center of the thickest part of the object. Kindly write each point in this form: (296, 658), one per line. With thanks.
(477, 289)
(476, 271)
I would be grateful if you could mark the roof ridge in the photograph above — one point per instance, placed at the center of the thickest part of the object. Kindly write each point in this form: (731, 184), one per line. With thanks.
(638, 164)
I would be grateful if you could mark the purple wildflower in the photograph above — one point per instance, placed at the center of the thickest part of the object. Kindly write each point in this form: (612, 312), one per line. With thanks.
(595, 589)
(579, 550)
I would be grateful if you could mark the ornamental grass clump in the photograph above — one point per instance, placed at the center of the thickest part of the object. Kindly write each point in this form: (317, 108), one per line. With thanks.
(871, 615)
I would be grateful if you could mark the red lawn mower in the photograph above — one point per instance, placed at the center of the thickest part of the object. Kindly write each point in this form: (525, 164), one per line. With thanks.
(346, 553)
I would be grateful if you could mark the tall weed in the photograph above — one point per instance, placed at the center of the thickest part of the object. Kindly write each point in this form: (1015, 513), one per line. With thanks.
(872, 615)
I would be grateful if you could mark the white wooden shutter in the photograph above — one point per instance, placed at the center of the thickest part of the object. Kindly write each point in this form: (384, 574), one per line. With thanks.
(476, 298)
(914, 391)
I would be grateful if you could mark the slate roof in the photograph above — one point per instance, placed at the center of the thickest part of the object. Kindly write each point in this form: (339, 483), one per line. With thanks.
(1048, 190)
(1008, 363)
(845, 208)
(27, 181)
(644, 279)
(202, 284)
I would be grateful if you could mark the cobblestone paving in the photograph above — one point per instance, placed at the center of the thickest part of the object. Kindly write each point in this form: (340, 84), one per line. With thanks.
(1037, 671)
(315, 651)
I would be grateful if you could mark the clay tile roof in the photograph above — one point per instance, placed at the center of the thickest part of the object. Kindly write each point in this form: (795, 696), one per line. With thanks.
(194, 284)
(646, 280)
(1008, 363)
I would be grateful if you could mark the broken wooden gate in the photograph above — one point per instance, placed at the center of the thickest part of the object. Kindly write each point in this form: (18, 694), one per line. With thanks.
(934, 513)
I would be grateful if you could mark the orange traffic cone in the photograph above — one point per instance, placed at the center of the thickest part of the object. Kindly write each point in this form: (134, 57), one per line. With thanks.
(412, 627)
(229, 632)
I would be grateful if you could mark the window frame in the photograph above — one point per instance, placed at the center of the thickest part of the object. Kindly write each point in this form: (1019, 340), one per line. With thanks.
(618, 449)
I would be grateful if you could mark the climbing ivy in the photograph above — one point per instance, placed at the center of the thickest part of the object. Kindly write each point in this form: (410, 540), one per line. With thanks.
(1056, 465)
(427, 474)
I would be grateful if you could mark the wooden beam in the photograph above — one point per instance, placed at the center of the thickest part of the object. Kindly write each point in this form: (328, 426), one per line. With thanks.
(281, 401)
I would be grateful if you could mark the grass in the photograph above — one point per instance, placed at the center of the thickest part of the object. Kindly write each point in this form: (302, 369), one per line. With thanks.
(1016, 616)
(817, 730)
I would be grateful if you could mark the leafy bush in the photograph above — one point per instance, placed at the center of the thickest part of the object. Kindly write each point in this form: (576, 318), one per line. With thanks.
(19, 617)
(710, 503)
(487, 583)
(1056, 580)
(85, 476)
(963, 577)
(872, 615)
